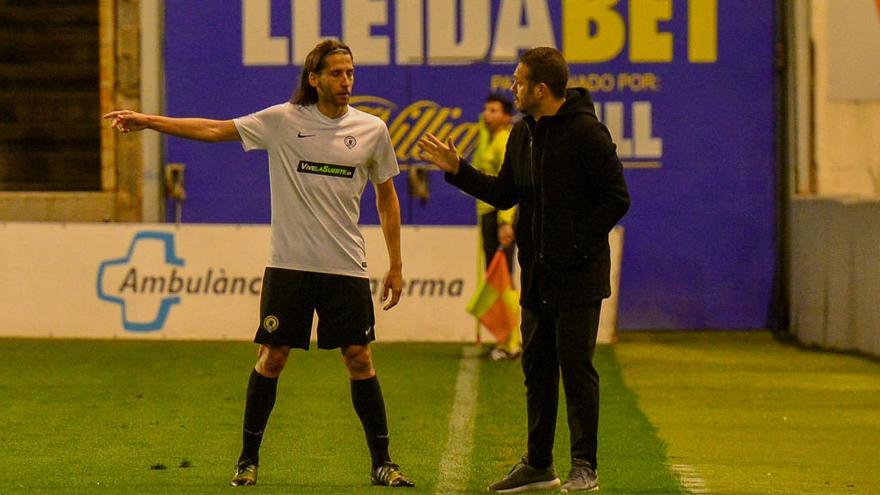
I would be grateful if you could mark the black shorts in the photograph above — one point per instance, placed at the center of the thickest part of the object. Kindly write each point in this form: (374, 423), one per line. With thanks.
(290, 298)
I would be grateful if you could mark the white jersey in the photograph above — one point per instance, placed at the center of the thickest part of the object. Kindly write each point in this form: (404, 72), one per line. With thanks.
(318, 168)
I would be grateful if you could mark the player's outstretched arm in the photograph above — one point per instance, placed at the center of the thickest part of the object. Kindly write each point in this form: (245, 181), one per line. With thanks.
(190, 128)
(389, 215)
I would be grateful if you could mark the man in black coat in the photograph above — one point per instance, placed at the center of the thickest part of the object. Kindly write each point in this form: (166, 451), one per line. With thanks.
(561, 167)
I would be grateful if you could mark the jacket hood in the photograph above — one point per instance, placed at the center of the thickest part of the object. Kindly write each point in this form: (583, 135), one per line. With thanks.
(577, 101)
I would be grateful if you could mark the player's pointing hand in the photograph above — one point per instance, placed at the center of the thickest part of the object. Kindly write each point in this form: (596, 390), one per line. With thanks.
(127, 121)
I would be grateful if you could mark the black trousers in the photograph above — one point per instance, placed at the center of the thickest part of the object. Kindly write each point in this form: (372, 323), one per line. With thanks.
(554, 340)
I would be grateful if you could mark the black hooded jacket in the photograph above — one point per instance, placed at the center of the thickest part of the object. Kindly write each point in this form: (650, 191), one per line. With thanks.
(564, 173)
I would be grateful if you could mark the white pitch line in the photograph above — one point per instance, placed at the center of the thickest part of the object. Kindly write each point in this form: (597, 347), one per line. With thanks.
(455, 463)
(690, 479)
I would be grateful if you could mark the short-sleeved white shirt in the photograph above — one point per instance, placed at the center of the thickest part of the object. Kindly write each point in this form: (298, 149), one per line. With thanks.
(318, 168)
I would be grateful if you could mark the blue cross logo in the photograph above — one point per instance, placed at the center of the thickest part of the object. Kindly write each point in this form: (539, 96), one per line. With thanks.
(171, 258)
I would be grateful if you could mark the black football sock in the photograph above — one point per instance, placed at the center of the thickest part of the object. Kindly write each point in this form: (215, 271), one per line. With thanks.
(260, 399)
(366, 395)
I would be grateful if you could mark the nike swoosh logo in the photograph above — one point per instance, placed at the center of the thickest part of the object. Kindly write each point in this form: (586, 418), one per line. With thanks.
(301, 135)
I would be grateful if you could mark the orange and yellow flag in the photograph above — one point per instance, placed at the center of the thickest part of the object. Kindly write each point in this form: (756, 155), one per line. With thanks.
(495, 303)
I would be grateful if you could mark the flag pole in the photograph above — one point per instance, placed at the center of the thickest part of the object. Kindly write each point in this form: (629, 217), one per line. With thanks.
(477, 339)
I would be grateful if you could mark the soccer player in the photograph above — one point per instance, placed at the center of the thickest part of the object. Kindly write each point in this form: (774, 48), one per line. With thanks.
(562, 169)
(321, 153)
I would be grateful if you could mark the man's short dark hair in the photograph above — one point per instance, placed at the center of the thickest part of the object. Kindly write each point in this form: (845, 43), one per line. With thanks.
(506, 103)
(306, 94)
(546, 65)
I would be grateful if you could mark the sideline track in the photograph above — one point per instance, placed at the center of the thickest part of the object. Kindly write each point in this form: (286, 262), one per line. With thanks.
(454, 471)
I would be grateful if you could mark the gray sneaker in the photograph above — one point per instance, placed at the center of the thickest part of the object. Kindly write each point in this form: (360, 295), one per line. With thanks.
(499, 354)
(523, 477)
(581, 478)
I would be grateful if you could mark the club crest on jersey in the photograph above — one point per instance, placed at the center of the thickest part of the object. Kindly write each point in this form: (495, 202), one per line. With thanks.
(350, 142)
(270, 323)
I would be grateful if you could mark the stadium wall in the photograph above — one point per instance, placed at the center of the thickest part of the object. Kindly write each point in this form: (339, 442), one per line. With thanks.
(833, 231)
(846, 40)
(19, 206)
(155, 281)
(684, 85)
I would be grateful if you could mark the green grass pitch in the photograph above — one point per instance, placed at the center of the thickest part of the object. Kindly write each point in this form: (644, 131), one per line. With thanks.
(165, 417)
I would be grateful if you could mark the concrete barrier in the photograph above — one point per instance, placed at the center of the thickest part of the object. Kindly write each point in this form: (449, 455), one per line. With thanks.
(835, 273)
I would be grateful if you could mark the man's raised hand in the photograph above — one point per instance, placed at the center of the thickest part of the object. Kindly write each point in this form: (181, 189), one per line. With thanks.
(445, 156)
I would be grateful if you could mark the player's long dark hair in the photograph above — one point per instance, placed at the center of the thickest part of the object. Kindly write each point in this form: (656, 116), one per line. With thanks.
(306, 94)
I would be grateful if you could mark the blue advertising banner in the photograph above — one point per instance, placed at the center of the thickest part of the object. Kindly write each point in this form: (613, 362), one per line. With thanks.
(685, 87)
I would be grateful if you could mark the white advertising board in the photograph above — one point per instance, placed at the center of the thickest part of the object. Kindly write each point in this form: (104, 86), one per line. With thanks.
(202, 282)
